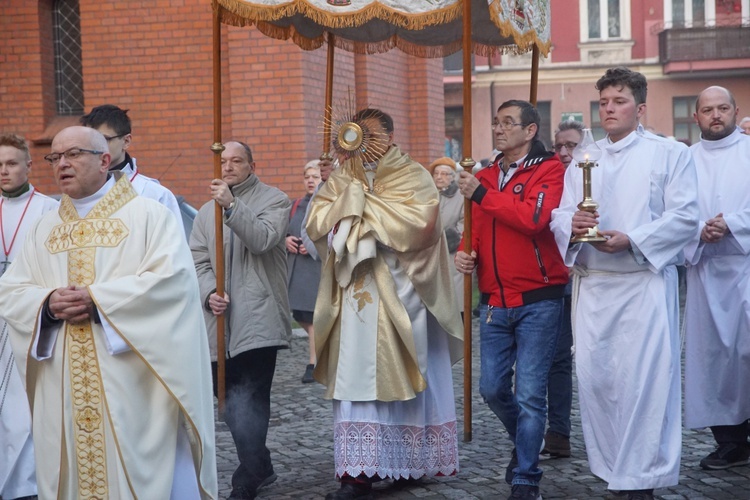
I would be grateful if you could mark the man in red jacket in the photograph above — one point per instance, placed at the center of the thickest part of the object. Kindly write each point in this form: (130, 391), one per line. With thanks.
(522, 279)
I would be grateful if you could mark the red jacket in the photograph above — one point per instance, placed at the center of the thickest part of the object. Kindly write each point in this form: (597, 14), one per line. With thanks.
(518, 261)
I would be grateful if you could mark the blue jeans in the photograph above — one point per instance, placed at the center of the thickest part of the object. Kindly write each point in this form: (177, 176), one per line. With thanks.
(526, 337)
(560, 386)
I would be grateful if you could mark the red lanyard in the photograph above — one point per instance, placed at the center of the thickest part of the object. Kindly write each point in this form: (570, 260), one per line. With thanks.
(15, 233)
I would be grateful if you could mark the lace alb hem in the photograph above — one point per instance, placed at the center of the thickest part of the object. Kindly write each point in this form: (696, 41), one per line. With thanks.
(395, 451)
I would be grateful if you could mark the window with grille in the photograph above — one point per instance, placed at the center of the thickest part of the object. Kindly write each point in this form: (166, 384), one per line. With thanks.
(603, 19)
(66, 22)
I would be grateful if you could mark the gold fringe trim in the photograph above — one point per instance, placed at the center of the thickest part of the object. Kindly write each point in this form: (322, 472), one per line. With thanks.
(242, 13)
(524, 41)
(394, 42)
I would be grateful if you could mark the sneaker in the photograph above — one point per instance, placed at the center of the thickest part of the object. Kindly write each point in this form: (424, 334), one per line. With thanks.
(641, 495)
(525, 492)
(512, 465)
(308, 378)
(727, 455)
(556, 445)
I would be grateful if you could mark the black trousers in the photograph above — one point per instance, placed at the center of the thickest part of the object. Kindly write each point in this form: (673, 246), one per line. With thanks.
(248, 408)
(736, 434)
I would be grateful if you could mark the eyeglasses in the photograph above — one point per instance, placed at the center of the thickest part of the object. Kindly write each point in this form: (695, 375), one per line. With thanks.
(570, 146)
(71, 154)
(113, 137)
(506, 124)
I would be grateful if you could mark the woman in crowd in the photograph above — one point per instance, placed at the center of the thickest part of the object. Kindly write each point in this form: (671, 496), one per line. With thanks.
(443, 172)
(303, 270)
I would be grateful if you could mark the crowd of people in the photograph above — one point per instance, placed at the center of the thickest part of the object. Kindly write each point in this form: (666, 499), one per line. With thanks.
(113, 314)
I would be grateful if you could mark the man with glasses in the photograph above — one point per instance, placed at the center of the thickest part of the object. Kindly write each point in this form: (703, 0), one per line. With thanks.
(560, 386)
(104, 315)
(114, 124)
(522, 280)
(21, 206)
(567, 136)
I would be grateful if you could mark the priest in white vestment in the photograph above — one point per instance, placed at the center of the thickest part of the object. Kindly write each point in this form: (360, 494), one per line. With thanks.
(717, 315)
(20, 206)
(105, 322)
(387, 326)
(625, 319)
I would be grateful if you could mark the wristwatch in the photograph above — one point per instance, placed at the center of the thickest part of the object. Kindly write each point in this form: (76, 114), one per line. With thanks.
(228, 210)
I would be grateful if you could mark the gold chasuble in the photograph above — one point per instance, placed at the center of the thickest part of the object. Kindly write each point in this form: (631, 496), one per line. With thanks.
(108, 416)
(370, 219)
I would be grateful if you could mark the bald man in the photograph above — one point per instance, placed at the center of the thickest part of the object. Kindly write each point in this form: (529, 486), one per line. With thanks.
(104, 315)
(716, 316)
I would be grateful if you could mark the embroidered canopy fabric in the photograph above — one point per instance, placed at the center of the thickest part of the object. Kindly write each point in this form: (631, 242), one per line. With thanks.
(424, 28)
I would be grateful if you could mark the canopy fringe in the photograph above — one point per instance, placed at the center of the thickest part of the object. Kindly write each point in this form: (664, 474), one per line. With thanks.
(305, 43)
(241, 13)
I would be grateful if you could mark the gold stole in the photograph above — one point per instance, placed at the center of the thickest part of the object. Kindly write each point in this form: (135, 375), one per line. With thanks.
(80, 238)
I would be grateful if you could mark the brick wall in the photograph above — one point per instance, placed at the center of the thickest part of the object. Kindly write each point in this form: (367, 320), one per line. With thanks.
(156, 59)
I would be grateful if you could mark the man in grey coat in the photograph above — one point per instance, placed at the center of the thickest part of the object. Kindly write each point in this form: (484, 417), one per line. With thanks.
(255, 307)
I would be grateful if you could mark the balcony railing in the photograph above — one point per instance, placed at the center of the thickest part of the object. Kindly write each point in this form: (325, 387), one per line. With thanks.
(704, 43)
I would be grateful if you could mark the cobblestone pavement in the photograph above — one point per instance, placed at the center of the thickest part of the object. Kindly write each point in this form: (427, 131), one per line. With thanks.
(300, 439)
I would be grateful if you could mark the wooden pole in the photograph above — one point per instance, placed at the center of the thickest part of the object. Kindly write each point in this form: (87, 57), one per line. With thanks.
(467, 163)
(217, 147)
(534, 74)
(329, 100)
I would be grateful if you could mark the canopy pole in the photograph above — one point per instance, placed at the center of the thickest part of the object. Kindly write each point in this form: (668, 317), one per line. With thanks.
(217, 147)
(534, 74)
(467, 163)
(326, 155)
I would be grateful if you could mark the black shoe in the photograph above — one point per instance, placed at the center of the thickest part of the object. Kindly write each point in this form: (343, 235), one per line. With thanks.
(525, 492)
(308, 378)
(268, 480)
(727, 455)
(641, 495)
(351, 491)
(512, 465)
(556, 445)
(241, 493)
(407, 482)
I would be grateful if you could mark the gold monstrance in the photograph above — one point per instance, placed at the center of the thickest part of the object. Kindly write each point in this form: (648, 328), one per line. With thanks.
(586, 154)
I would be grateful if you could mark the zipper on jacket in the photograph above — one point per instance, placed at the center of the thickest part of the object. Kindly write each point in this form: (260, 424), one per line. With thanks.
(539, 262)
(494, 264)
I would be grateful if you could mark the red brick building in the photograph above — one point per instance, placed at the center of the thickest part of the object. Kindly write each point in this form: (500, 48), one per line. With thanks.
(155, 59)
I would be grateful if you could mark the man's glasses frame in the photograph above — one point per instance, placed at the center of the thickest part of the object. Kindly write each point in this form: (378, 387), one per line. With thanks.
(70, 154)
(570, 146)
(113, 137)
(506, 124)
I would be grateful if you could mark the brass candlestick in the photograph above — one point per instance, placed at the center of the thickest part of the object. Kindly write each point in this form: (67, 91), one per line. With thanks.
(586, 154)
(588, 205)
